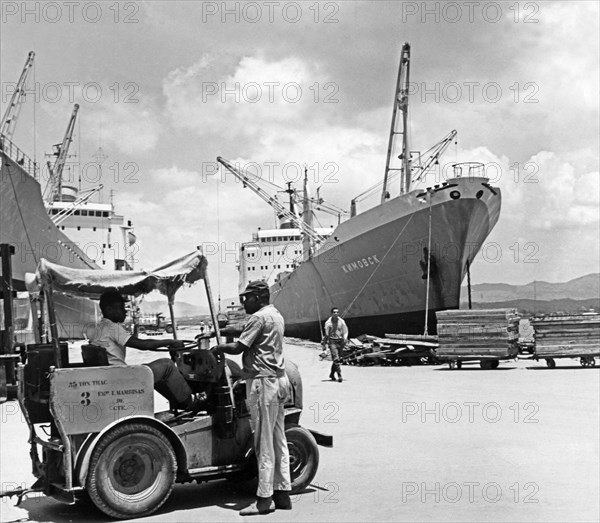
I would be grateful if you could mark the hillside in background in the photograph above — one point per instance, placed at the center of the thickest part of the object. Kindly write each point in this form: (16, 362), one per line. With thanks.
(582, 288)
(182, 309)
(576, 295)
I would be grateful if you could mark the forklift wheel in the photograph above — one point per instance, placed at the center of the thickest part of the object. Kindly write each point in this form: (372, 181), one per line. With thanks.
(132, 471)
(304, 456)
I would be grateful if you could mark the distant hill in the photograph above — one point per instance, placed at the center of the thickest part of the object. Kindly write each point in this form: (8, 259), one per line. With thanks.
(582, 288)
(182, 309)
(572, 296)
(532, 307)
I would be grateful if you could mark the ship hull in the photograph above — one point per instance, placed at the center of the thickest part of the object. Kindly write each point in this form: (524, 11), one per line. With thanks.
(373, 267)
(25, 224)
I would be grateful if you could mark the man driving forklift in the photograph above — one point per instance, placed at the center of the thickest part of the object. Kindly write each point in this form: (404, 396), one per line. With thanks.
(110, 334)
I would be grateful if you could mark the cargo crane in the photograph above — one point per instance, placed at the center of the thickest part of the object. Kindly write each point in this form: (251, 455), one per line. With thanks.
(61, 152)
(282, 212)
(55, 188)
(11, 115)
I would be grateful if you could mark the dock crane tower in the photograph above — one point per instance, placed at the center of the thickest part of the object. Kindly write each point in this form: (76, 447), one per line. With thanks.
(11, 115)
(61, 151)
(282, 212)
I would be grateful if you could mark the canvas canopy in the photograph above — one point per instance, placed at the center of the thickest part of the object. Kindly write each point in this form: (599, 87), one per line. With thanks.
(166, 279)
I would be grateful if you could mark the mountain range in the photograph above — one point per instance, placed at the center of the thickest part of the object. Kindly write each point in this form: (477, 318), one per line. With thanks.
(582, 288)
(539, 296)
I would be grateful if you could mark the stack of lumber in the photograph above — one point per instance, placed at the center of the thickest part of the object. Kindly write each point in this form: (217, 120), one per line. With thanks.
(567, 335)
(486, 333)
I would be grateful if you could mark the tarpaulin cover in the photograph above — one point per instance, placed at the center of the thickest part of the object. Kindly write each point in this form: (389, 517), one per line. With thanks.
(92, 283)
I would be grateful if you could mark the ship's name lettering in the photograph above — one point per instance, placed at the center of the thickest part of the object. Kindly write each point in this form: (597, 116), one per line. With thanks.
(361, 264)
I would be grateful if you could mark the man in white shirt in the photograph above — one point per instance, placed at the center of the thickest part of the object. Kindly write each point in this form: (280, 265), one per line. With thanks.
(110, 334)
(335, 337)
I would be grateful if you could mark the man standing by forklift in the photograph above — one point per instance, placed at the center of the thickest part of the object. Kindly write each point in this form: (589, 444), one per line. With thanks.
(335, 337)
(267, 387)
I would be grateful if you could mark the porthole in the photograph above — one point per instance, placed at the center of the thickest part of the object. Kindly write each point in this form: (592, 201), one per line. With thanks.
(479, 194)
(455, 195)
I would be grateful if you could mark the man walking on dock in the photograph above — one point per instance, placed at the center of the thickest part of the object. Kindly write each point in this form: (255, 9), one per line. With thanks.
(335, 337)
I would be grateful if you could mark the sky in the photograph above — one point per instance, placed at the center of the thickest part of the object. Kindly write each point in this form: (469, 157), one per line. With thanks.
(166, 87)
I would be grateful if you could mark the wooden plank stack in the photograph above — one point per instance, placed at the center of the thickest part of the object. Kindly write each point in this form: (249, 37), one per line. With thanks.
(478, 334)
(567, 335)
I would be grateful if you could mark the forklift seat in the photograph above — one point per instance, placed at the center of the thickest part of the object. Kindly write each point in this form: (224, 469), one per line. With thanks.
(94, 356)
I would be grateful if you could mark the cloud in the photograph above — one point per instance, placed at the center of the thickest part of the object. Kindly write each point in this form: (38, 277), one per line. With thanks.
(133, 128)
(252, 97)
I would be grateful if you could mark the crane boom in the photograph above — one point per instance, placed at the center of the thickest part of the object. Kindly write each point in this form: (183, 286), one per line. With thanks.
(61, 158)
(11, 115)
(281, 210)
(434, 155)
(83, 197)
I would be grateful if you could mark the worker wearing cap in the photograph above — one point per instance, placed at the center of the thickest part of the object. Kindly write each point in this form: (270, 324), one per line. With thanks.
(267, 387)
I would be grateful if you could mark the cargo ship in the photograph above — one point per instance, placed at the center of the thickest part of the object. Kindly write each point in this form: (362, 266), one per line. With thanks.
(59, 223)
(389, 268)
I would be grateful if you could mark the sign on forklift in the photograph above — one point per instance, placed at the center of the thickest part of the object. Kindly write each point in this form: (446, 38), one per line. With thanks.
(96, 427)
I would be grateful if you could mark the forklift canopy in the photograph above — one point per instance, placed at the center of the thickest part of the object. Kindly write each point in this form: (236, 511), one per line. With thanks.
(167, 279)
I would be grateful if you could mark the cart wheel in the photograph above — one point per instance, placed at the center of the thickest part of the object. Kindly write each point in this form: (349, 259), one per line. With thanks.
(132, 471)
(486, 364)
(452, 364)
(495, 364)
(551, 363)
(592, 362)
(304, 456)
(583, 362)
(459, 364)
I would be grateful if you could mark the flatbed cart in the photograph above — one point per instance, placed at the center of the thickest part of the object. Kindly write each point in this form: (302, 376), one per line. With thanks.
(585, 360)
(95, 425)
(567, 336)
(486, 335)
(485, 362)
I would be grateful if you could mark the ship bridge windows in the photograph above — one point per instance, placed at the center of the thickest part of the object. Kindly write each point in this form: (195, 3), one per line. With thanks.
(84, 212)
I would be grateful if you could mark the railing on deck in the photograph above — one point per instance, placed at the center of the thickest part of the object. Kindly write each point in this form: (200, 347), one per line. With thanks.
(18, 156)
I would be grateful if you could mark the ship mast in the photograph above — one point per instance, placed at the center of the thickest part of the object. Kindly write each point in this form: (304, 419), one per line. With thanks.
(9, 120)
(307, 216)
(401, 103)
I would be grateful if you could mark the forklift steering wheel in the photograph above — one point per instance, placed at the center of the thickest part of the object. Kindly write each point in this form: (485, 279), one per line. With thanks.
(188, 344)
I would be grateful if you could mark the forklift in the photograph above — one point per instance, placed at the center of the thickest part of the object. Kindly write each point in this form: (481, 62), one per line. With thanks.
(93, 429)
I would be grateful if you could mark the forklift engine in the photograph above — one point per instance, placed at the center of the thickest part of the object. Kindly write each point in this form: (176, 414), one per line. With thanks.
(205, 373)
